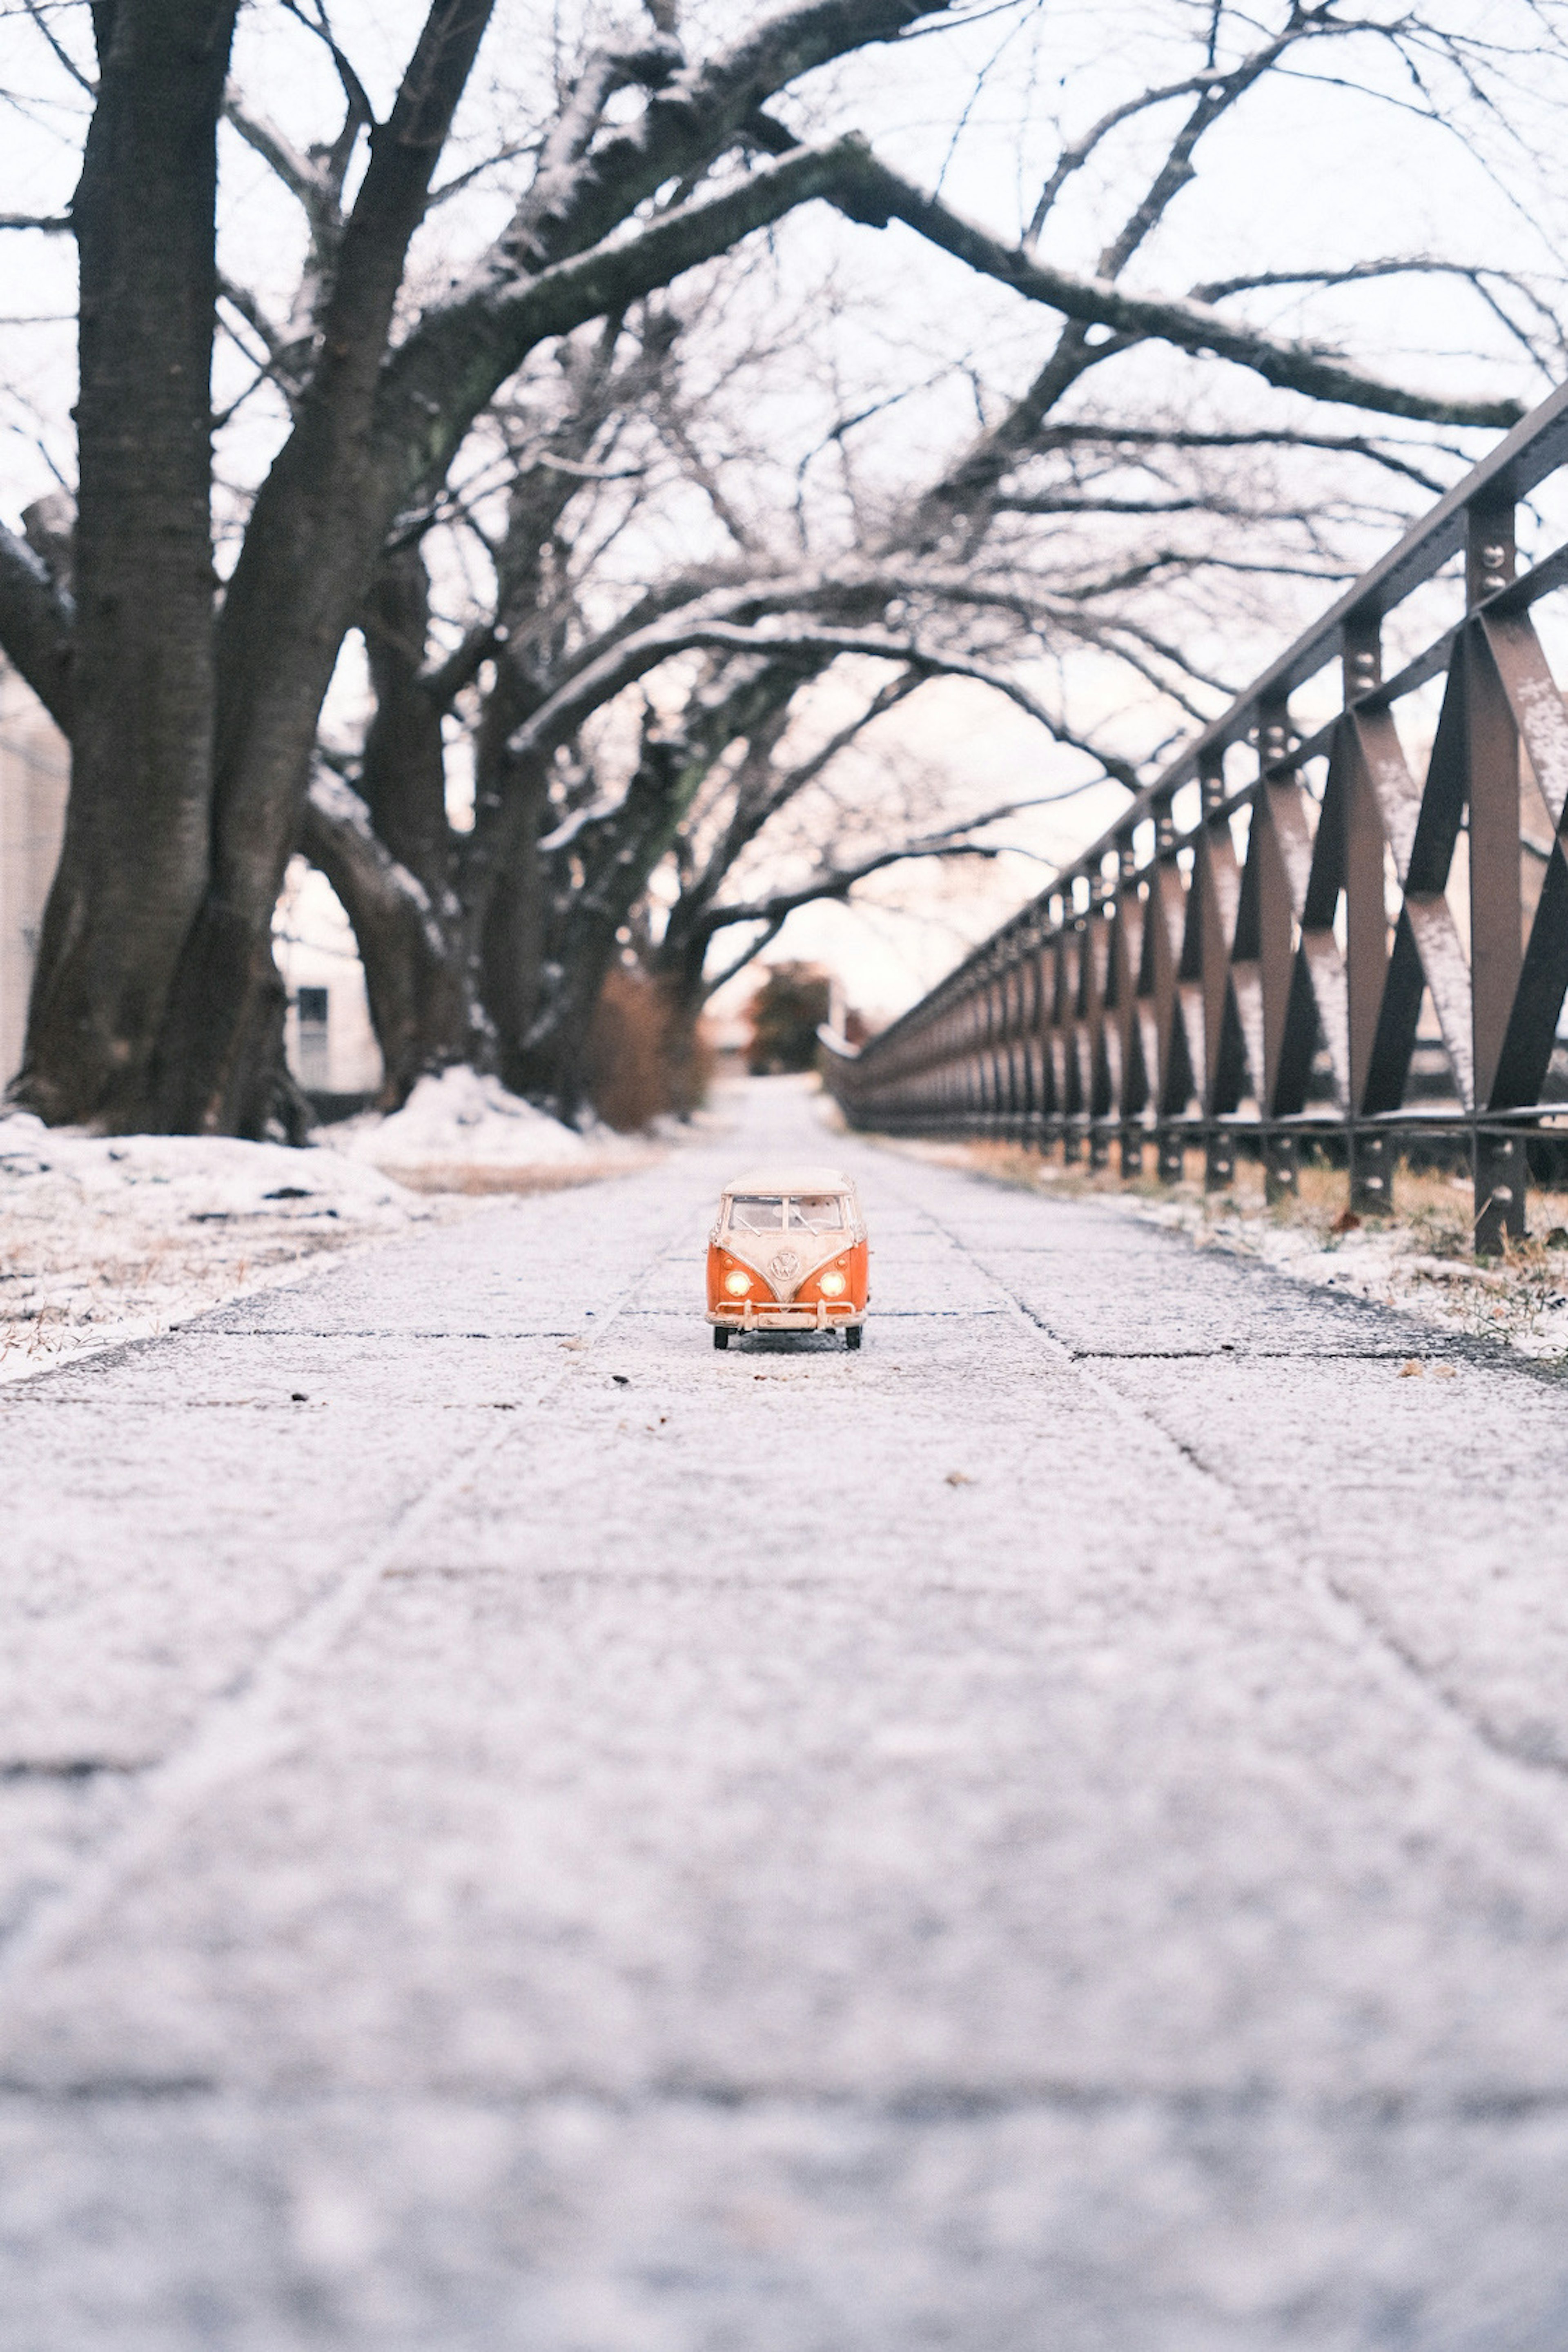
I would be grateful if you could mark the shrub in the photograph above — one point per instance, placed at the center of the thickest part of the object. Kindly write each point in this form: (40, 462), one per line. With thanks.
(785, 1013)
(641, 1062)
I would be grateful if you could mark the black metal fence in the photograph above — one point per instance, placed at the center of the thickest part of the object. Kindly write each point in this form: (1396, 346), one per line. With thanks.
(1336, 948)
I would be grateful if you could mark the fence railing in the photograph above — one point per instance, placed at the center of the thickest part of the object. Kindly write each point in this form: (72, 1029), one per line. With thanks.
(1334, 949)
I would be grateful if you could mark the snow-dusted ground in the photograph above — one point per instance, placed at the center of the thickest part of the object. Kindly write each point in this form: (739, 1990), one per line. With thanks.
(1522, 1301)
(104, 1239)
(522, 1834)
(1419, 1261)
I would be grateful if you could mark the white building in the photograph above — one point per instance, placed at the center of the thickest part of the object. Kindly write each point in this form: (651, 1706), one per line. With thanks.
(331, 1046)
(330, 1042)
(35, 769)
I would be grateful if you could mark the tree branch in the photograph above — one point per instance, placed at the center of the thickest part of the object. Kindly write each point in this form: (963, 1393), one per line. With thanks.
(38, 622)
(63, 57)
(559, 719)
(245, 305)
(300, 175)
(752, 949)
(443, 684)
(696, 117)
(763, 790)
(452, 363)
(838, 883)
(1073, 159)
(339, 837)
(872, 193)
(1140, 437)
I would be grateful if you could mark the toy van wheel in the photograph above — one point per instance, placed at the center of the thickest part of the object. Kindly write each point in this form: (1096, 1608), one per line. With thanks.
(721, 1336)
(852, 1335)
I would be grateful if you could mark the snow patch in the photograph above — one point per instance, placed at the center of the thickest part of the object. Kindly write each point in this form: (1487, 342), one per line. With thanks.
(159, 1177)
(461, 1118)
(109, 1238)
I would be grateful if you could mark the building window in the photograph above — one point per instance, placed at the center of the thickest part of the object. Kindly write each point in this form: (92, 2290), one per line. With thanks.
(310, 1010)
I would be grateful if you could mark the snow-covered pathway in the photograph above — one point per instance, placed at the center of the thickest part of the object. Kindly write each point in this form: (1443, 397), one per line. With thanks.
(521, 1833)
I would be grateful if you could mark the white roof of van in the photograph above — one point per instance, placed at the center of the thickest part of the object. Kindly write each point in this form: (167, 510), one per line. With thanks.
(785, 1179)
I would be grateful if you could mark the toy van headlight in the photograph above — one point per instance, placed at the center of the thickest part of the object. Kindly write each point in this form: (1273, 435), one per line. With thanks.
(832, 1285)
(737, 1283)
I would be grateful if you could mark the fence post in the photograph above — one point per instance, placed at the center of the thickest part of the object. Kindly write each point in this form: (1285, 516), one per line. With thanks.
(1371, 1174)
(1501, 1180)
(1281, 1169)
(1366, 934)
(1219, 1160)
(1497, 951)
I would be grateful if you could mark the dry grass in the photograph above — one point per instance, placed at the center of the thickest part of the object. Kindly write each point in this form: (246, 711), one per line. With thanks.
(1439, 1205)
(462, 1177)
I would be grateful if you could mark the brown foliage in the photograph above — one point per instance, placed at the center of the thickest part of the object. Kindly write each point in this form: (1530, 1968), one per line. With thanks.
(642, 1060)
(785, 1014)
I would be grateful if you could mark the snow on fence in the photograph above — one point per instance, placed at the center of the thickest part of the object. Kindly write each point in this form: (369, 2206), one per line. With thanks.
(1335, 947)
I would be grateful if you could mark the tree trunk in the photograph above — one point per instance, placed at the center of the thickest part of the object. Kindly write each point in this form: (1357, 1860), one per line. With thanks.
(309, 556)
(402, 775)
(415, 968)
(135, 858)
(503, 883)
(686, 1062)
(511, 958)
(617, 858)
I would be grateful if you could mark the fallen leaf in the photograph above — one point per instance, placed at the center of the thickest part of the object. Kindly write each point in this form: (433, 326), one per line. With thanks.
(959, 1478)
(1347, 1221)
(1412, 1368)
(1444, 1373)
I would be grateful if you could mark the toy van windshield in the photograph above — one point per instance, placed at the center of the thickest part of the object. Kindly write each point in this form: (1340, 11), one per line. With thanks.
(815, 1211)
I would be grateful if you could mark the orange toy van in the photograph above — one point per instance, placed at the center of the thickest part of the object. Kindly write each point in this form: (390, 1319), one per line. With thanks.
(788, 1252)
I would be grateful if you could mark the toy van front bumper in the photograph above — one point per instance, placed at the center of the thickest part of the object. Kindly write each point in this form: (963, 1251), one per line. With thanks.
(824, 1316)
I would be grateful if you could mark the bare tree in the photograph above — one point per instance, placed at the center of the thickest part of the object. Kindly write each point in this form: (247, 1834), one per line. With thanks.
(953, 565)
(157, 1001)
(376, 425)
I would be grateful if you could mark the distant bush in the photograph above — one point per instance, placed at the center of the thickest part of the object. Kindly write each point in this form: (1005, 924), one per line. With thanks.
(785, 1013)
(641, 1062)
